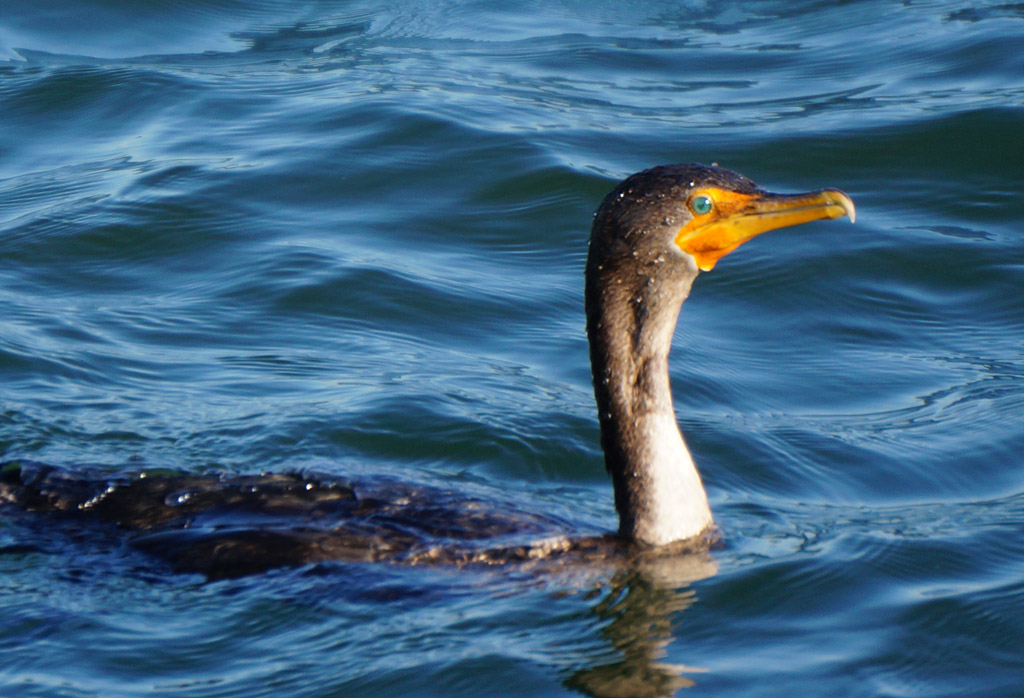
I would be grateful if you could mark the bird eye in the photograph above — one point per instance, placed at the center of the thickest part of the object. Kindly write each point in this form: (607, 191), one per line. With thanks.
(701, 204)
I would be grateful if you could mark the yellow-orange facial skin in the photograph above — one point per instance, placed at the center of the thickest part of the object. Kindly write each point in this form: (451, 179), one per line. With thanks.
(736, 217)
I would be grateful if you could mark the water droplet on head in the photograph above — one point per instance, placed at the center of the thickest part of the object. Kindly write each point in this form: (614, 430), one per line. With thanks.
(175, 499)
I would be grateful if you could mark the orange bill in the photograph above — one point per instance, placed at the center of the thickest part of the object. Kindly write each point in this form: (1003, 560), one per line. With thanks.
(736, 217)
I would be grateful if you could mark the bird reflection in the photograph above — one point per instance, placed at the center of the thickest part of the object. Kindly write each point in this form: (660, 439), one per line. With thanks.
(638, 612)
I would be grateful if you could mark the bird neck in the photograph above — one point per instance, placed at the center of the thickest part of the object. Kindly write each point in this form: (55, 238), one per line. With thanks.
(658, 491)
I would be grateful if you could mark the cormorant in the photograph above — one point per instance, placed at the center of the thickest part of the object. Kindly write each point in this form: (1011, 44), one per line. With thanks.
(651, 237)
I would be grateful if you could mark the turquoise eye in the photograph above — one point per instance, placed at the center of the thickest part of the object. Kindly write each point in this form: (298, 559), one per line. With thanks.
(701, 204)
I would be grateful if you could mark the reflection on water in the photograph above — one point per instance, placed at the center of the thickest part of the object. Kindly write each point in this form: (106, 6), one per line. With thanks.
(639, 610)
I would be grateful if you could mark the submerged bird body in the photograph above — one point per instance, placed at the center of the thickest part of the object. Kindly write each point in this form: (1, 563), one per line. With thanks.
(650, 238)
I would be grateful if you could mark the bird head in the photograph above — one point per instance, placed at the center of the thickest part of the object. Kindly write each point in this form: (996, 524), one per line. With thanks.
(701, 212)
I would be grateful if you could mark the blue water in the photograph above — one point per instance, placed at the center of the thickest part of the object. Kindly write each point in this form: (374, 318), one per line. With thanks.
(349, 237)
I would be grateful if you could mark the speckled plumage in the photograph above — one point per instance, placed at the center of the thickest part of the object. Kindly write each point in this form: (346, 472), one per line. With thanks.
(637, 279)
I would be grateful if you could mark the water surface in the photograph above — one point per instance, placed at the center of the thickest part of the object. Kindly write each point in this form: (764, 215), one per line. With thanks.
(349, 237)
